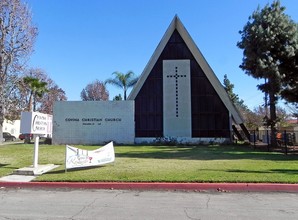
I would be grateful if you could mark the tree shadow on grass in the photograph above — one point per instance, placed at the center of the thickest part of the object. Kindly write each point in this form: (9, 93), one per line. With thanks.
(202, 153)
(283, 171)
(7, 166)
(269, 171)
(3, 165)
(74, 170)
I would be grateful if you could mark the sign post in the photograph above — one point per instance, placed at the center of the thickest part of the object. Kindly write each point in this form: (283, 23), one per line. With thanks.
(37, 124)
(36, 148)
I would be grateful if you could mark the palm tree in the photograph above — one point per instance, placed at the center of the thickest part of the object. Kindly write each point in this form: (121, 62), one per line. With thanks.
(123, 81)
(37, 89)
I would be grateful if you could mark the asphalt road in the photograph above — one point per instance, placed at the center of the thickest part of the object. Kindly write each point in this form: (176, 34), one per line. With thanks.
(124, 204)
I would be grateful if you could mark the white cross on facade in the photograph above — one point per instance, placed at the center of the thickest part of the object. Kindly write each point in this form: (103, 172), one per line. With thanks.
(176, 76)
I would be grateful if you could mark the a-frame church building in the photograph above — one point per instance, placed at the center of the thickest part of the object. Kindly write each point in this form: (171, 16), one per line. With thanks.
(179, 96)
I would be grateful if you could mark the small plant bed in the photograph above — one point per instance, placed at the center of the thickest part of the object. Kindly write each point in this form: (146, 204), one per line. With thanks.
(235, 163)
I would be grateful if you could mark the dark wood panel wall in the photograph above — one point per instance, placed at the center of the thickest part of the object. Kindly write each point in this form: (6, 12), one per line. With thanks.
(210, 117)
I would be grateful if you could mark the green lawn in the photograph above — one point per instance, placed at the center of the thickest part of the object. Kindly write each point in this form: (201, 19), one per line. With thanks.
(235, 163)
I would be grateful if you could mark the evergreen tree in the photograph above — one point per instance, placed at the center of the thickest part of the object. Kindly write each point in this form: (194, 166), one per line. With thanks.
(269, 42)
(229, 87)
(248, 116)
(290, 81)
(117, 98)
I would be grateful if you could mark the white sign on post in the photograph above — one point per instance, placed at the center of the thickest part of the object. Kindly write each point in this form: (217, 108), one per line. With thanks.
(38, 124)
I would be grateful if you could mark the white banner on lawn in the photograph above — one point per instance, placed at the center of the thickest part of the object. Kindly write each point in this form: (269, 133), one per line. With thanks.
(76, 157)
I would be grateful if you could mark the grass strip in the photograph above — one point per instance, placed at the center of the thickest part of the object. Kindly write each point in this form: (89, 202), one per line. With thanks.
(234, 163)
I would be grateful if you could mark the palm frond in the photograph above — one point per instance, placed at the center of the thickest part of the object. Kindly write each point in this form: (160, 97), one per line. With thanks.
(132, 82)
(114, 82)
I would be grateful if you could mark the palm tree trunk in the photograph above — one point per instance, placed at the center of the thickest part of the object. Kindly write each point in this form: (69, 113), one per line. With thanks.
(27, 136)
(30, 102)
(34, 104)
(124, 94)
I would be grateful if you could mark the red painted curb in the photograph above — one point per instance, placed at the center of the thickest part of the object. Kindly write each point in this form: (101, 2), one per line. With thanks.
(221, 187)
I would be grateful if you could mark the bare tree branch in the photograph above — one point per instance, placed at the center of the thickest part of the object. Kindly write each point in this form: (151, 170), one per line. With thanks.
(17, 36)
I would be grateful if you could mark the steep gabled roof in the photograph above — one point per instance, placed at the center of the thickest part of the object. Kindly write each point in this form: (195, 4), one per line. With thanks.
(176, 24)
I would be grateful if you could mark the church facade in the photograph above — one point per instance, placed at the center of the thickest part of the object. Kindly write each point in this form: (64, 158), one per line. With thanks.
(179, 96)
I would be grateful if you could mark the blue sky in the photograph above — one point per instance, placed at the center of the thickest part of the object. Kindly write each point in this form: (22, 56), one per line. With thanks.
(80, 41)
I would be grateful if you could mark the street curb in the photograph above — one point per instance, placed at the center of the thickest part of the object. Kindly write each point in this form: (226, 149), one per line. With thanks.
(220, 187)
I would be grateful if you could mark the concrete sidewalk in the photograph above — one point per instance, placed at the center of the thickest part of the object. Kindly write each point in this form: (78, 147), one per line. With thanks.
(219, 187)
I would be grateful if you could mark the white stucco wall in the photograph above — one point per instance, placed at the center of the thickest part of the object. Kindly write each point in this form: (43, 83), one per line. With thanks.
(13, 127)
(93, 122)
